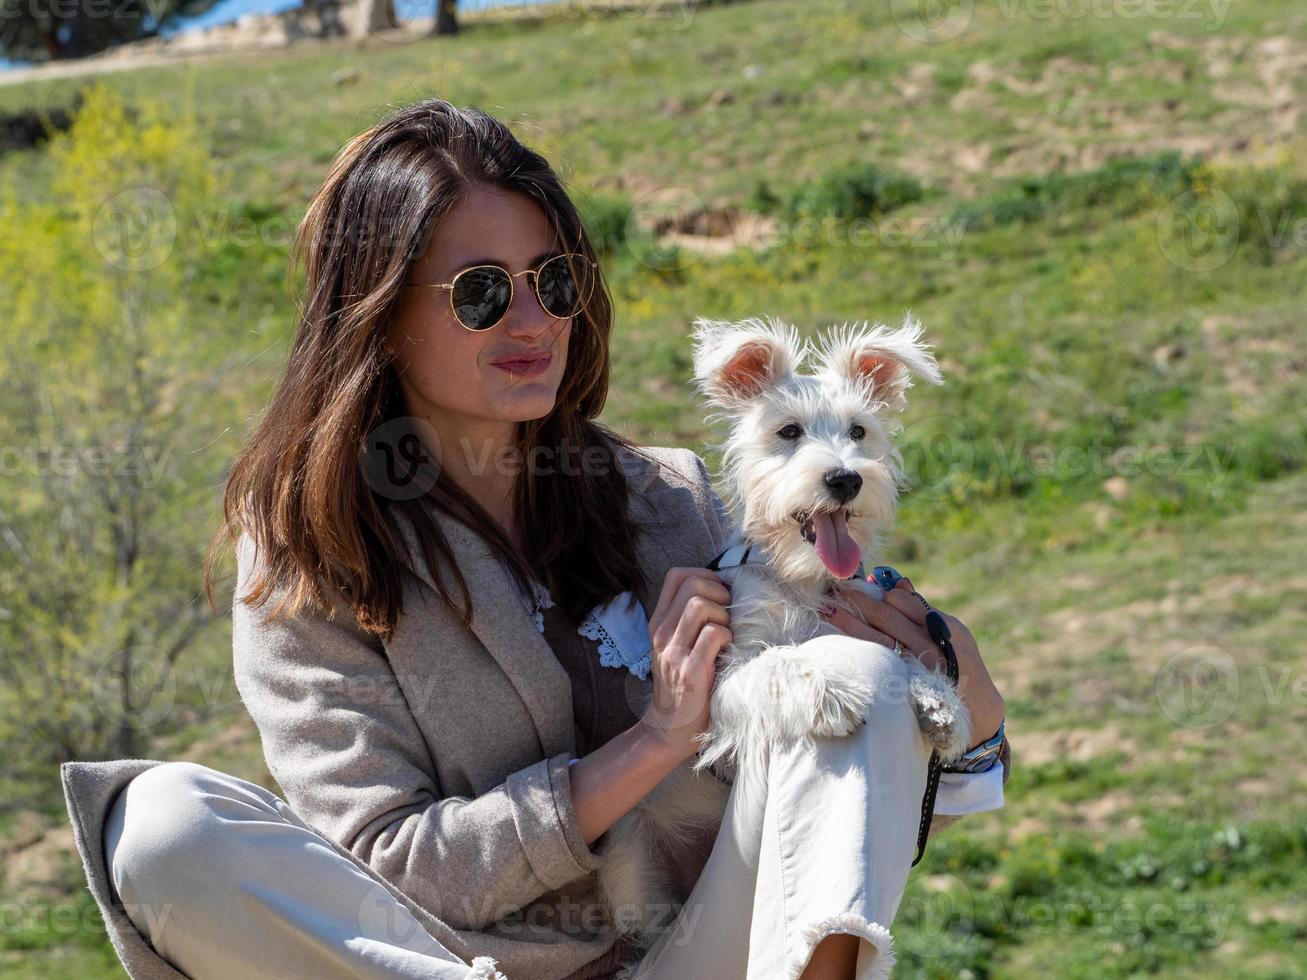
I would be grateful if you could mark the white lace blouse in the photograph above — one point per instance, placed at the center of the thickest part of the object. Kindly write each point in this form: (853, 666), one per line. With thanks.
(622, 634)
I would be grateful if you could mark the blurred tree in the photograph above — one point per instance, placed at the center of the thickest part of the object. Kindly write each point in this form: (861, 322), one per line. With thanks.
(39, 30)
(328, 16)
(109, 365)
(374, 15)
(446, 17)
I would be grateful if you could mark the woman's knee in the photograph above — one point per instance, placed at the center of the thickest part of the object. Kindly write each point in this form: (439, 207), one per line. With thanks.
(886, 674)
(880, 666)
(170, 826)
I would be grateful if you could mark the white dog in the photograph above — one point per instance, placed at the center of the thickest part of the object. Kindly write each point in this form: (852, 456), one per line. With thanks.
(812, 480)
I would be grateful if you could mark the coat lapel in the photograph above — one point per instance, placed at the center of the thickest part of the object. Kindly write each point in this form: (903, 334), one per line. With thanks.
(503, 624)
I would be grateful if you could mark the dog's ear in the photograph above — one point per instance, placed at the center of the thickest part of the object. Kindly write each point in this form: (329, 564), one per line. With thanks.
(881, 357)
(735, 362)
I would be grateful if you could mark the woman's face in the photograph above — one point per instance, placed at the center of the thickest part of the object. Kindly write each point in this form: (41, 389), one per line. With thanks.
(476, 384)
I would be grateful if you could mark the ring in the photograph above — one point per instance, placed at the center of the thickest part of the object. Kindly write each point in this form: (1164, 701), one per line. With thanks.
(898, 648)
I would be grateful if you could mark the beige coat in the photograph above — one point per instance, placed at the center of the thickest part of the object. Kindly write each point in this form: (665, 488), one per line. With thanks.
(438, 761)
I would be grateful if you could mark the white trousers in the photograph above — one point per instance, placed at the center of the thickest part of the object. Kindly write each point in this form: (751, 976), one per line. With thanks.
(225, 880)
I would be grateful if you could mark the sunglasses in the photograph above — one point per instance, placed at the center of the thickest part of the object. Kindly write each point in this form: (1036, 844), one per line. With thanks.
(480, 295)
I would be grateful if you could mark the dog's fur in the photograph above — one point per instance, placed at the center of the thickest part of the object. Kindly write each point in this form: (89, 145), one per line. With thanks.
(779, 488)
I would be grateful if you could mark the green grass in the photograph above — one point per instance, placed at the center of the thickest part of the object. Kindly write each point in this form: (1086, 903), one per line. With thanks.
(1169, 902)
(1108, 488)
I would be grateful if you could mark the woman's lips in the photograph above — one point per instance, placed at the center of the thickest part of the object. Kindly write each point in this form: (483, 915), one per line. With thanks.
(527, 367)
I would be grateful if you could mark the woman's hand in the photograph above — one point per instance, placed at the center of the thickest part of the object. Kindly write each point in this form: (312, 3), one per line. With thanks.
(902, 616)
(688, 629)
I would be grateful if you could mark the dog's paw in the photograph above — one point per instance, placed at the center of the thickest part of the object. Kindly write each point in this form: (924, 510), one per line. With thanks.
(941, 712)
(842, 707)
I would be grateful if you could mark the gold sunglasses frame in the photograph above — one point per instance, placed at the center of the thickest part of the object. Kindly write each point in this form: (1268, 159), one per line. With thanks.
(512, 286)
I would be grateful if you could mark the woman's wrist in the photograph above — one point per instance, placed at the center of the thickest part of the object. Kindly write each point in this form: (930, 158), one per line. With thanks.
(609, 781)
(986, 719)
(669, 749)
(983, 756)
(980, 695)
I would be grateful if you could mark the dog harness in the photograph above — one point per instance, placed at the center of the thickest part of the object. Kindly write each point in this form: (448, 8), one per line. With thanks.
(740, 555)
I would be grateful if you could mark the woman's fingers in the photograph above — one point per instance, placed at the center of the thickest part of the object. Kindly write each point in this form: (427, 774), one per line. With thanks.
(708, 586)
(688, 630)
(888, 619)
(905, 602)
(712, 640)
(676, 580)
(697, 612)
(679, 587)
(852, 626)
(689, 715)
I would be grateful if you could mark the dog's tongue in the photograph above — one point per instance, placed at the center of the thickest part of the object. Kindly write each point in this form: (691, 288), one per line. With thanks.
(835, 546)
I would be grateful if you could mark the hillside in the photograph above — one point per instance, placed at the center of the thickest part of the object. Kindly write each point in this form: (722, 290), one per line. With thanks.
(1102, 223)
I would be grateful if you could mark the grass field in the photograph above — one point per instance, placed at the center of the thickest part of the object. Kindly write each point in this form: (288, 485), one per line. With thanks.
(1104, 231)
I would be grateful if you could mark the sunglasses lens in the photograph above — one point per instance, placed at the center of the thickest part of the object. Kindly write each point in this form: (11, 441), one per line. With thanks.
(481, 297)
(563, 285)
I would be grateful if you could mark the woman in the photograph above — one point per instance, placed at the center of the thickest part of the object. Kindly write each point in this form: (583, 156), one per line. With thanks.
(442, 644)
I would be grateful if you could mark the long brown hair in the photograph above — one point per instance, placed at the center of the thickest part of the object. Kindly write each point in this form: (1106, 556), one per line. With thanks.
(298, 488)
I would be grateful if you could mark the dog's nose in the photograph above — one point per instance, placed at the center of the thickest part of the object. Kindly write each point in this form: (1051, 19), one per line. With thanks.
(844, 484)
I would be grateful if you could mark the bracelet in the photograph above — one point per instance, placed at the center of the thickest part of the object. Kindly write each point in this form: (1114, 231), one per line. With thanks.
(983, 757)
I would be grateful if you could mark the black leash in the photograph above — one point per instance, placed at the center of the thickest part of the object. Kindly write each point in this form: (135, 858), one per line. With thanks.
(939, 633)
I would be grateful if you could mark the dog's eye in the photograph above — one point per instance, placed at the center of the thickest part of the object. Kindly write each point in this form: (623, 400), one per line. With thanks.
(857, 432)
(791, 431)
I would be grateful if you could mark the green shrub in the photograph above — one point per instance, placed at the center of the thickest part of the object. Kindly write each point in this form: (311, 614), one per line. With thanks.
(111, 357)
(607, 219)
(1126, 186)
(861, 190)
(1272, 210)
(763, 200)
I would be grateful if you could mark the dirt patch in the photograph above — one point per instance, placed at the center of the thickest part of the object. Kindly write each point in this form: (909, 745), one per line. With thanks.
(1279, 62)
(1111, 814)
(975, 94)
(973, 159)
(1277, 914)
(1249, 355)
(1037, 748)
(37, 865)
(1077, 127)
(676, 216)
(718, 231)
(1028, 827)
(917, 86)
(1053, 78)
